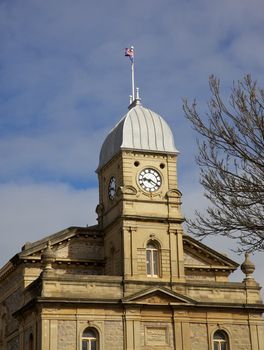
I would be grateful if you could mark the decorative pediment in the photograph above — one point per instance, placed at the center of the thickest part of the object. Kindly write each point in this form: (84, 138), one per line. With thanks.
(193, 259)
(158, 296)
(74, 243)
(198, 255)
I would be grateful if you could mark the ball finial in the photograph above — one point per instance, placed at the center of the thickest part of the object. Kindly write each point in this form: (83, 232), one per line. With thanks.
(248, 268)
(48, 257)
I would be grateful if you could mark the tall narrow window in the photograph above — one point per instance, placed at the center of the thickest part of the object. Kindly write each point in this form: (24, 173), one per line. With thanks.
(152, 259)
(89, 339)
(220, 340)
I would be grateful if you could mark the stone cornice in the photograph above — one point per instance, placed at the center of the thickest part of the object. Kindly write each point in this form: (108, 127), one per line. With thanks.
(138, 218)
(198, 306)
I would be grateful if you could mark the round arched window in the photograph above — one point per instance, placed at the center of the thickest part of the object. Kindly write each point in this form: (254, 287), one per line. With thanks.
(90, 339)
(152, 259)
(220, 340)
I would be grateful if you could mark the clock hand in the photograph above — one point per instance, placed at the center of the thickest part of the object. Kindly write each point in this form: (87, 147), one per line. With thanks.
(151, 181)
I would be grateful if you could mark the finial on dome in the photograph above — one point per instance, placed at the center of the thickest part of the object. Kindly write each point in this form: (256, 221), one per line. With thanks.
(137, 100)
(137, 94)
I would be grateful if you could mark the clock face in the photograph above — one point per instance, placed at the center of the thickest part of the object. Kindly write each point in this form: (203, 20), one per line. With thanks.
(112, 188)
(149, 179)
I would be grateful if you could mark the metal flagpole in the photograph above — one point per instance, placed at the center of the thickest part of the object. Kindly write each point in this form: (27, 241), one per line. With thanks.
(129, 52)
(133, 73)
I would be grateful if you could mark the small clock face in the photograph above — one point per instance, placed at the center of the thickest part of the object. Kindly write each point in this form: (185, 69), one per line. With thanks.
(112, 188)
(149, 179)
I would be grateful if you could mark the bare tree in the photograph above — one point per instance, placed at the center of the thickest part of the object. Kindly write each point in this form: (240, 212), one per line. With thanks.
(231, 160)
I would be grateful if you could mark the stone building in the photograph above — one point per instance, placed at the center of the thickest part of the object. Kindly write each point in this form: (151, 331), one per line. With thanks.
(134, 280)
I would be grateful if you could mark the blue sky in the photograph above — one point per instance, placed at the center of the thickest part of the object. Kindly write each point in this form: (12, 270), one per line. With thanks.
(64, 82)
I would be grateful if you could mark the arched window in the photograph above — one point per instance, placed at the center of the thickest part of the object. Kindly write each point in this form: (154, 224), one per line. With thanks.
(220, 340)
(152, 259)
(90, 339)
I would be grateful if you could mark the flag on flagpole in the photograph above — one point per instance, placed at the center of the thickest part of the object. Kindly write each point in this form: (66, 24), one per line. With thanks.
(129, 52)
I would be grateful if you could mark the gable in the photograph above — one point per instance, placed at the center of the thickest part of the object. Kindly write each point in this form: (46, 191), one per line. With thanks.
(79, 248)
(72, 244)
(199, 256)
(158, 296)
(191, 259)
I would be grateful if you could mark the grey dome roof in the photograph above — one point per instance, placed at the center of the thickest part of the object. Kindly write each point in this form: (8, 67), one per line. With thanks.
(140, 129)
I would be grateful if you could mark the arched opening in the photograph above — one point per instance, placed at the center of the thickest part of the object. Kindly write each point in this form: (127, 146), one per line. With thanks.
(220, 340)
(31, 342)
(152, 259)
(90, 339)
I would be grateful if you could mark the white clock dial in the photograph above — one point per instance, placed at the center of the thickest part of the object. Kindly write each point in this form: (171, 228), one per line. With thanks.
(112, 188)
(149, 179)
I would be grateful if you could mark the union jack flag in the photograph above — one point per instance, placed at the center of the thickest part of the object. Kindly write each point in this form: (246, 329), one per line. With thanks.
(129, 52)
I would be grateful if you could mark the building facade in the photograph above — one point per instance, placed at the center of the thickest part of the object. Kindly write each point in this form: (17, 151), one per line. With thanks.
(134, 280)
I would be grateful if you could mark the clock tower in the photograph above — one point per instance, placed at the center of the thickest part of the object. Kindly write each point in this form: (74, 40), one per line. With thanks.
(139, 201)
